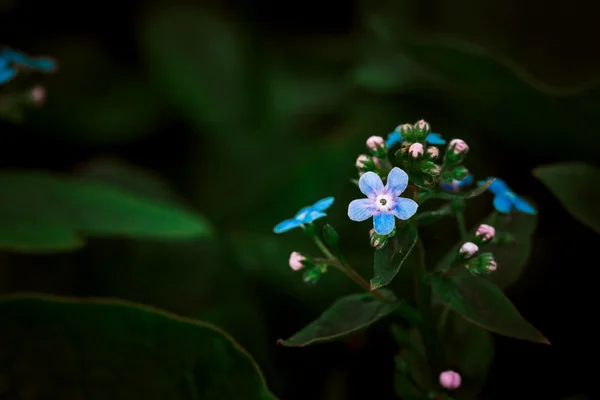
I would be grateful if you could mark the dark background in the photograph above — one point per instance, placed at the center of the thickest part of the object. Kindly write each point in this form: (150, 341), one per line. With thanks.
(249, 110)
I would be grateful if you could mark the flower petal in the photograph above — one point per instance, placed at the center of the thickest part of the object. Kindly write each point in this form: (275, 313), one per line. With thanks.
(361, 209)
(397, 181)
(497, 187)
(323, 204)
(286, 225)
(524, 206)
(435, 138)
(370, 184)
(404, 208)
(312, 216)
(502, 203)
(6, 74)
(467, 181)
(384, 222)
(393, 138)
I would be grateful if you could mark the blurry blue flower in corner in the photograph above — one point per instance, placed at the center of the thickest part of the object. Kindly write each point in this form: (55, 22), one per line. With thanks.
(305, 215)
(505, 199)
(455, 185)
(395, 138)
(11, 60)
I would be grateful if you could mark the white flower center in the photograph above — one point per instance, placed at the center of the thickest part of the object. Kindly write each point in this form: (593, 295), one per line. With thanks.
(384, 202)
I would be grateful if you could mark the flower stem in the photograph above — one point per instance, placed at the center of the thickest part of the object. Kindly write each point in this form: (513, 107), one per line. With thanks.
(462, 226)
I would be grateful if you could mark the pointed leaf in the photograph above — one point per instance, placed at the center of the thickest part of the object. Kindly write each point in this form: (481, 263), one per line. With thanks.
(483, 303)
(72, 348)
(349, 314)
(467, 194)
(47, 212)
(511, 258)
(389, 260)
(575, 185)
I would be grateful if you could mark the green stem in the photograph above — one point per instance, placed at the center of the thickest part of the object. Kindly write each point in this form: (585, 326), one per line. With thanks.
(462, 226)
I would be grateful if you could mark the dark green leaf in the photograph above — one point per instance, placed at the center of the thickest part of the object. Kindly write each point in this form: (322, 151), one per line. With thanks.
(48, 212)
(483, 303)
(389, 260)
(575, 185)
(467, 194)
(331, 237)
(348, 315)
(431, 217)
(511, 258)
(112, 349)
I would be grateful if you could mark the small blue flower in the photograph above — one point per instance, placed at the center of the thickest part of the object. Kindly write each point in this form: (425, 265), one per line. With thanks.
(455, 185)
(383, 203)
(505, 199)
(305, 215)
(10, 60)
(395, 137)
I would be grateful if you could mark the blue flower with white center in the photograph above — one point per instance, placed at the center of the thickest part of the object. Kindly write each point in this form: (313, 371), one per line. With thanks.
(505, 199)
(455, 185)
(395, 138)
(305, 215)
(10, 60)
(383, 202)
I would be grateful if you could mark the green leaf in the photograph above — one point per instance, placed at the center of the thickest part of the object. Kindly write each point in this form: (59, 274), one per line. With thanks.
(113, 349)
(575, 185)
(483, 303)
(349, 314)
(511, 258)
(389, 260)
(467, 194)
(431, 217)
(49, 212)
(332, 238)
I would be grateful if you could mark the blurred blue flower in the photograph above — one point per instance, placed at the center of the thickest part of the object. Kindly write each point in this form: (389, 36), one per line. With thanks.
(505, 199)
(383, 202)
(11, 60)
(305, 215)
(395, 138)
(455, 185)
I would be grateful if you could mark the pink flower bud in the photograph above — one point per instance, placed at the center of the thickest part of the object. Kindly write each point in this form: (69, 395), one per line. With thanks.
(433, 152)
(485, 232)
(450, 380)
(416, 150)
(296, 261)
(361, 161)
(458, 146)
(468, 249)
(423, 125)
(492, 266)
(377, 162)
(375, 143)
(38, 94)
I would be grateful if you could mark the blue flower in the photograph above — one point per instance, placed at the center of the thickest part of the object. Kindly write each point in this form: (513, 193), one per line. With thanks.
(383, 203)
(455, 185)
(11, 59)
(505, 199)
(305, 215)
(395, 137)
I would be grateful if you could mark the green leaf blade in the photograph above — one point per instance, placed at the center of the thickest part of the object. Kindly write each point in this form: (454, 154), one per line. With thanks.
(483, 303)
(349, 314)
(575, 185)
(389, 260)
(117, 349)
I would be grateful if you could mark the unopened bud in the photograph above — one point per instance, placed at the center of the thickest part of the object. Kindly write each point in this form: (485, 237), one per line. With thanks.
(421, 129)
(431, 168)
(38, 95)
(312, 276)
(450, 380)
(485, 233)
(296, 261)
(365, 163)
(375, 143)
(468, 249)
(380, 241)
(416, 150)
(433, 152)
(484, 264)
(407, 132)
(459, 173)
(456, 152)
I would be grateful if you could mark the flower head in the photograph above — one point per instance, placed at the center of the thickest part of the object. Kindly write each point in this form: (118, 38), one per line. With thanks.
(433, 152)
(468, 249)
(450, 380)
(11, 60)
(375, 143)
(458, 146)
(383, 202)
(415, 150)
(505, 200)
(296, 261)
(455, 185)
(305, 215)
(396, 137)
(485, 232)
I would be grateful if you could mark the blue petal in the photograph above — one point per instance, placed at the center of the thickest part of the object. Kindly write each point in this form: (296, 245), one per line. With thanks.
(384, 222)
(300, 215)
(323, 204)
(286, 225)
(448, 186)
(6, 74)
(397, 181)
(502, 203)
(361, 209)
(370, 184)
(523, 206)
(467, 181)
(312, 216)
(42, 64)
(404, 208)
(435, 138)
(393, 138)
(497, 187)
